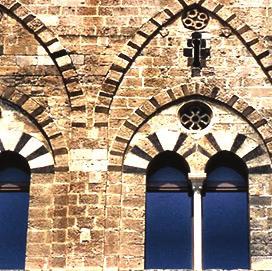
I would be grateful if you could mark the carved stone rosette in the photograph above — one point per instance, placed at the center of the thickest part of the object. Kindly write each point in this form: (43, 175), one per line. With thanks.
(195, 19)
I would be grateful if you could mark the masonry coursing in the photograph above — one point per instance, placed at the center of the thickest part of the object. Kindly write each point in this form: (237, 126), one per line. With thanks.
(92, 79)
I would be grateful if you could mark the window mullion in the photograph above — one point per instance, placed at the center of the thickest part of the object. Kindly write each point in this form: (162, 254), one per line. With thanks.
(197, 183)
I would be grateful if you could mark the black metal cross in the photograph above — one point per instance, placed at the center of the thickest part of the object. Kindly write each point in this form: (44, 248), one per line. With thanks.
(197, 53)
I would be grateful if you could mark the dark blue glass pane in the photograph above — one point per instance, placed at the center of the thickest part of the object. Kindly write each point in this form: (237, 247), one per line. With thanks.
(168, 230)
(225, 226)
(13, 221)
(168, 175)
(225, 175)
(14, 175)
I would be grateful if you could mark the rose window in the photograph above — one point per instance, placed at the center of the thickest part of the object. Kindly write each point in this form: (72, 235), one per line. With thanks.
(195, 115)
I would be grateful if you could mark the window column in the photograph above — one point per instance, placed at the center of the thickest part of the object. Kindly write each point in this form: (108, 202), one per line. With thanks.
(197, 180)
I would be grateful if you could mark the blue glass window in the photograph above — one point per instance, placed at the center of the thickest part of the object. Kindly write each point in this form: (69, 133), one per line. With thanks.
(14, 201)
(225, 214)
(168, 213)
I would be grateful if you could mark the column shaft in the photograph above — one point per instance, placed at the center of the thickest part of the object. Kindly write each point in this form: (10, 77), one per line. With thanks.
(197, 230)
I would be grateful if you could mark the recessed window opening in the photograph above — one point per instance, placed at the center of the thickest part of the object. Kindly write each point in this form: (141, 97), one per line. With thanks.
(14, 172)
(14, 202)
(226, 171)
(225, 213)
(167, 171)
(168, 242)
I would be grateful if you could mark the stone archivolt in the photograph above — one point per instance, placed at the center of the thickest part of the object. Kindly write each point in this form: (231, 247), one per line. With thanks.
(91, 134)
(164, 18)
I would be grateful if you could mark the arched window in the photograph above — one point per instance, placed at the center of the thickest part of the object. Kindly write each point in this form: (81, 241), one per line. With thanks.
(14, 201)
(168, 240)
(225, 213)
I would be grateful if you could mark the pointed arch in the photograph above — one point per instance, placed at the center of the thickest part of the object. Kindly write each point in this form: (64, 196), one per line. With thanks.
(133, 48)
(48, 162)
(168, 97)
(40, 117)
(131, 153)
(59, 55)
(40, 160)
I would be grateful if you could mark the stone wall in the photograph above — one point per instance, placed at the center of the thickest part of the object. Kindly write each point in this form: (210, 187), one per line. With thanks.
(92, 79)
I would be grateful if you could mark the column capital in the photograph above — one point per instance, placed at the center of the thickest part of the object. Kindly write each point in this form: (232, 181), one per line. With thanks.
(197, 179)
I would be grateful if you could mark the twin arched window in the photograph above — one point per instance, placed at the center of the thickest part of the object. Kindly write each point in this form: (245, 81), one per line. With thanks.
(14, 201)
(169, 211)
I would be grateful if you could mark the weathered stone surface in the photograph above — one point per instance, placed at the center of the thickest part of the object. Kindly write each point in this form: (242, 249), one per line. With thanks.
(99, 84)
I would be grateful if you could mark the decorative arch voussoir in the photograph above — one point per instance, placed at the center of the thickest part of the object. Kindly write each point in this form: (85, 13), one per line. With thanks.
(244, 33)
(139, 156)
(239, 105)
(240, 144)
(150, 29)
(252, 153)
(122, 141)
(40, 117)
(38, 156)
(126, 58)
(59, 55)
